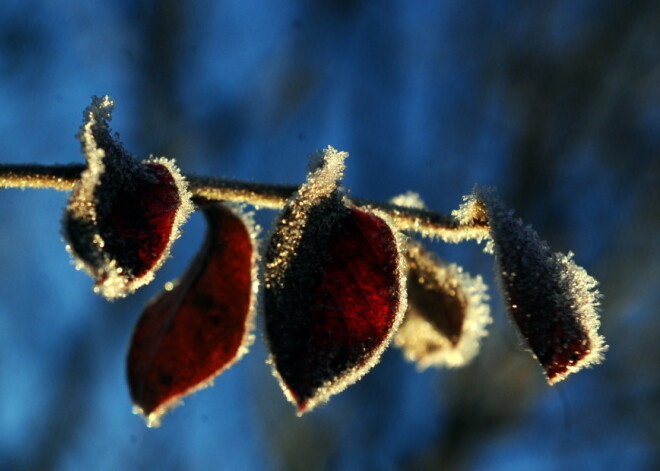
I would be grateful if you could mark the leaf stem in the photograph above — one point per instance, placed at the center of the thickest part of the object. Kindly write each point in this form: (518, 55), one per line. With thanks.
(260, 195)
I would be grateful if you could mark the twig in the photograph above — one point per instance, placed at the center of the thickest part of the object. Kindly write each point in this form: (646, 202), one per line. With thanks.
(260, 195)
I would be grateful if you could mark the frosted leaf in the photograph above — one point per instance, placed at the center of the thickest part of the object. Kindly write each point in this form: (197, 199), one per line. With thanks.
(553, 301)
(123, 215)
(200, 326)
(447, 312)
(334, 289)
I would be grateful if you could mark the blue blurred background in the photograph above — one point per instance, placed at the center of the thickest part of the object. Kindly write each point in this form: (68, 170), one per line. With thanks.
(555, 103)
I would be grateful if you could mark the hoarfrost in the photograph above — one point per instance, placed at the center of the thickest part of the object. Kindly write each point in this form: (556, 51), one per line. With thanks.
(447, 312)
(326, 173)
(553, 301)
(110, 171)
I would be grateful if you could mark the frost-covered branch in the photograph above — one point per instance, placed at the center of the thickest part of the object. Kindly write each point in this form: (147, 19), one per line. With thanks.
(260, 195)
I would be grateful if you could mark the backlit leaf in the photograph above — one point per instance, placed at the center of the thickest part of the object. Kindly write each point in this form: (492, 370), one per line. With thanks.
(124, 214)
(333, 289)
(447, 312)
(201, 326)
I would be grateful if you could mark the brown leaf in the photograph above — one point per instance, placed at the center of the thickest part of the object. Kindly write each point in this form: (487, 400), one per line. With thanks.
(447, 312)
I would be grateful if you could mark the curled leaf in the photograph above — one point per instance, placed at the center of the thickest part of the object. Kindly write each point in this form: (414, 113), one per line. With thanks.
(124, 214)
(190, 334)
(552, 300)
(447, 312)
(333, 289)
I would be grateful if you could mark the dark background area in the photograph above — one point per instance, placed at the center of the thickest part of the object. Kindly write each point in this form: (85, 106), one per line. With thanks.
(555, 103)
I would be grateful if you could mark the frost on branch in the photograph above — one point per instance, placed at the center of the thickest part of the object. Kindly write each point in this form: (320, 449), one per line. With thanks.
(200, 327)
(334, 289)
(447, 312)
(552, 300)
(124, 214)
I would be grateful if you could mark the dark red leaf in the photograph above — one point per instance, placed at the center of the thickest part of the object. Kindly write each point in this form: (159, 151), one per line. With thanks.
(333, 293)
(447, 312)
(552, 300)
(137, 223)
(124, 214)
(190, 334)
